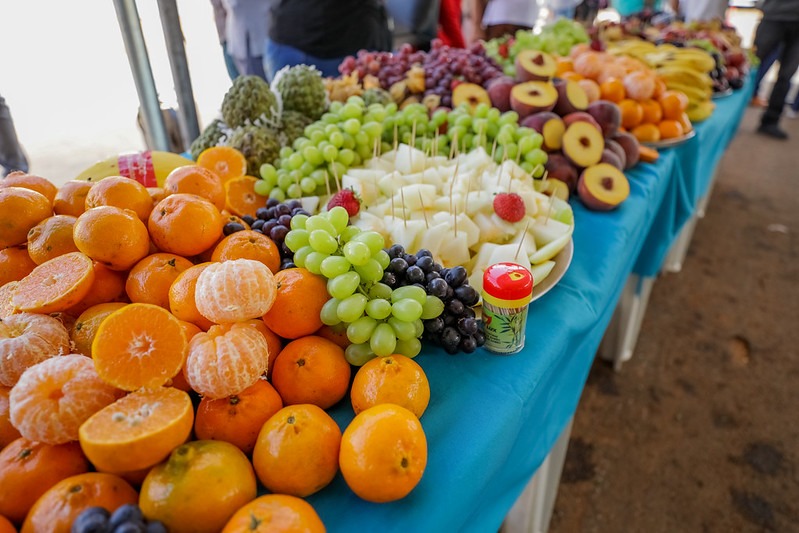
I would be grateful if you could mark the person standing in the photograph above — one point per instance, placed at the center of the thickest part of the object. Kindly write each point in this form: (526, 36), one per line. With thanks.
(779, 26)
(220, 19)
(323, 32)
(497, 18)
(11, 155)
(692, 10)
(246, 27)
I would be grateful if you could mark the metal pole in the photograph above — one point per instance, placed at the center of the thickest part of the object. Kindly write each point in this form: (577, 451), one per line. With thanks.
(173, 34)
(129, 23)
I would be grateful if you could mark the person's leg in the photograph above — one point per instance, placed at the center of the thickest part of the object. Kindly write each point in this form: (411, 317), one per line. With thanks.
(764, 67)
(230, 64)
(11, 155)
(789, 62)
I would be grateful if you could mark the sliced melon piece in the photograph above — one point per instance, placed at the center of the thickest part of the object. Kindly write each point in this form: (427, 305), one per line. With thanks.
(550, 250)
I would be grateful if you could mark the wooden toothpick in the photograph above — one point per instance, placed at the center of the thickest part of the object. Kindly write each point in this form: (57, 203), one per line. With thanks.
(494, 149)
(521, 242)
(327, 182)
(424, 211)
(454, 146)
(549, 209)
(402, 199)
(335, 176)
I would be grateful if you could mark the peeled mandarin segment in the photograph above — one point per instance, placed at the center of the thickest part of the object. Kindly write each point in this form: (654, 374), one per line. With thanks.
(140, 345)
(226, 360)
(137, 431)
(53, 398)
(233, 291)
(56, 284)
(27, 339)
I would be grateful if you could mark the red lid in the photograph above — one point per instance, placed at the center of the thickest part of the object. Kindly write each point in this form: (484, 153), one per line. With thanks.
(508, 281)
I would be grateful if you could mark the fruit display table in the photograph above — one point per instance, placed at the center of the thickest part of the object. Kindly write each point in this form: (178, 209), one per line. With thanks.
(691, 168)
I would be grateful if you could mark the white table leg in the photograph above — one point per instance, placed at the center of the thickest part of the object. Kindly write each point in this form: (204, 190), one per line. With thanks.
(679, 249)
(618, 344)
(532, 512)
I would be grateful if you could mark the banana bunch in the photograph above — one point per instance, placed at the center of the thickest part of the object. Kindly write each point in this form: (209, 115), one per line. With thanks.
(682, 69)
(150, 168)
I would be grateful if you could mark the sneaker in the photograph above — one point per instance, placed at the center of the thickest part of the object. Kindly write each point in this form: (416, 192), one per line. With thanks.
(758, 102)
(772, 130)
(790, 113)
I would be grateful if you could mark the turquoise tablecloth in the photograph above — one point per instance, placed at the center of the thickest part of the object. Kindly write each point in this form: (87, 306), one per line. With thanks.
(493, 419)
(695, 162)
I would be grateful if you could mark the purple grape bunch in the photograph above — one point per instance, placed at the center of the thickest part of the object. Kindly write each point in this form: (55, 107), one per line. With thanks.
(127, 518)
(457, 329)
(274, 221)
(443, 65)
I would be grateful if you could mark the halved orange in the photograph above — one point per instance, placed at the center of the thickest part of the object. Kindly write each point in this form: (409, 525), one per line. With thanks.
(241, 198)
(225, 161)
(55, 285)
(140, 345)
(137, 431)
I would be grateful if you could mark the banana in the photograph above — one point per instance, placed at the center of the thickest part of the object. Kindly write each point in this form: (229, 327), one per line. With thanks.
(685, 75)
(150, 168)
(700, 111)
(694, 94)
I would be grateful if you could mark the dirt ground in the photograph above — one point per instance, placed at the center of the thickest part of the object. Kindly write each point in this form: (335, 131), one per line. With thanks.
(699, 432)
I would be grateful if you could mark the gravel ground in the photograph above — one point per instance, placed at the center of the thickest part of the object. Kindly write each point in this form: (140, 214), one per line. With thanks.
(698, 431)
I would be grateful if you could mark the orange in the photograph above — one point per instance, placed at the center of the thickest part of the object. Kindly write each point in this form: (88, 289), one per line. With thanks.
(29, 181)
(194, 179)
(299, 301)
(125, 193)
(53, 398)
(190, 330)
(225, 161)
(394, 379)
(336, 334)
(27, 339)
(639, 85)
(113, 236)
(563, 64)
(236, 290)
(591, 89)
(612, 90)
(108, 286)
(383, 453)
(6, 526)
(611, 71)
(248, 244)
(275, 513)
(237, 419)
(241, 198)
(674, 104)
(198, 489)
(226, 360)
(572, 76)
(273, 342)
(660, 88)
(6, 296)
(156, 194)
(51, 237)
(646, 133)
(15, 264)
(181, 297)
(185, 224)
(233, 219)
(685, 122)
(631, 113)
(55, 285)
(137, 431)
(8, 433)
(85, 327)
(71, 198)
(20, 210)
(653, 113)
(589, 64)
(150, 279)
(28, 469)
(297, 451)
(139, 345)
(670, 129)
(311, 370)
(57, 508)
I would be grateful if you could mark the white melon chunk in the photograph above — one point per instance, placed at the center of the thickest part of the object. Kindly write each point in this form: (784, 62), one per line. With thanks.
(370, 222)
(454, 250)
(541, 271)
(416, 196)
(405, 232)
(367, 190)
(550, 250)
(310, 203)
(432, 238)
(547, 230)
(409, 159)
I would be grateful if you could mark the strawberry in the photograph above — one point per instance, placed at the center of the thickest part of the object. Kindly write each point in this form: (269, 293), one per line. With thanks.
(509, 206)
(503, 50)
(347, 199)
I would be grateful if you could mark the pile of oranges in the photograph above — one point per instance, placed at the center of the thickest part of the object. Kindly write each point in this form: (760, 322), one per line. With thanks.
(649, 110)
(146, 357)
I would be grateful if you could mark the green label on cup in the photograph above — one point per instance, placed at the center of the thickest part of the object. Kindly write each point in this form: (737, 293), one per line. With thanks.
(504, 328)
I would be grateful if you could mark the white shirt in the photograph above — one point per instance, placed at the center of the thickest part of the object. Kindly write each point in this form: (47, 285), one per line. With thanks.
(517, 12)
(703, 9)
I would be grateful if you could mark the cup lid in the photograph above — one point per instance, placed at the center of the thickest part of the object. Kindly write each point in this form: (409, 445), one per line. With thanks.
(507, 285)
